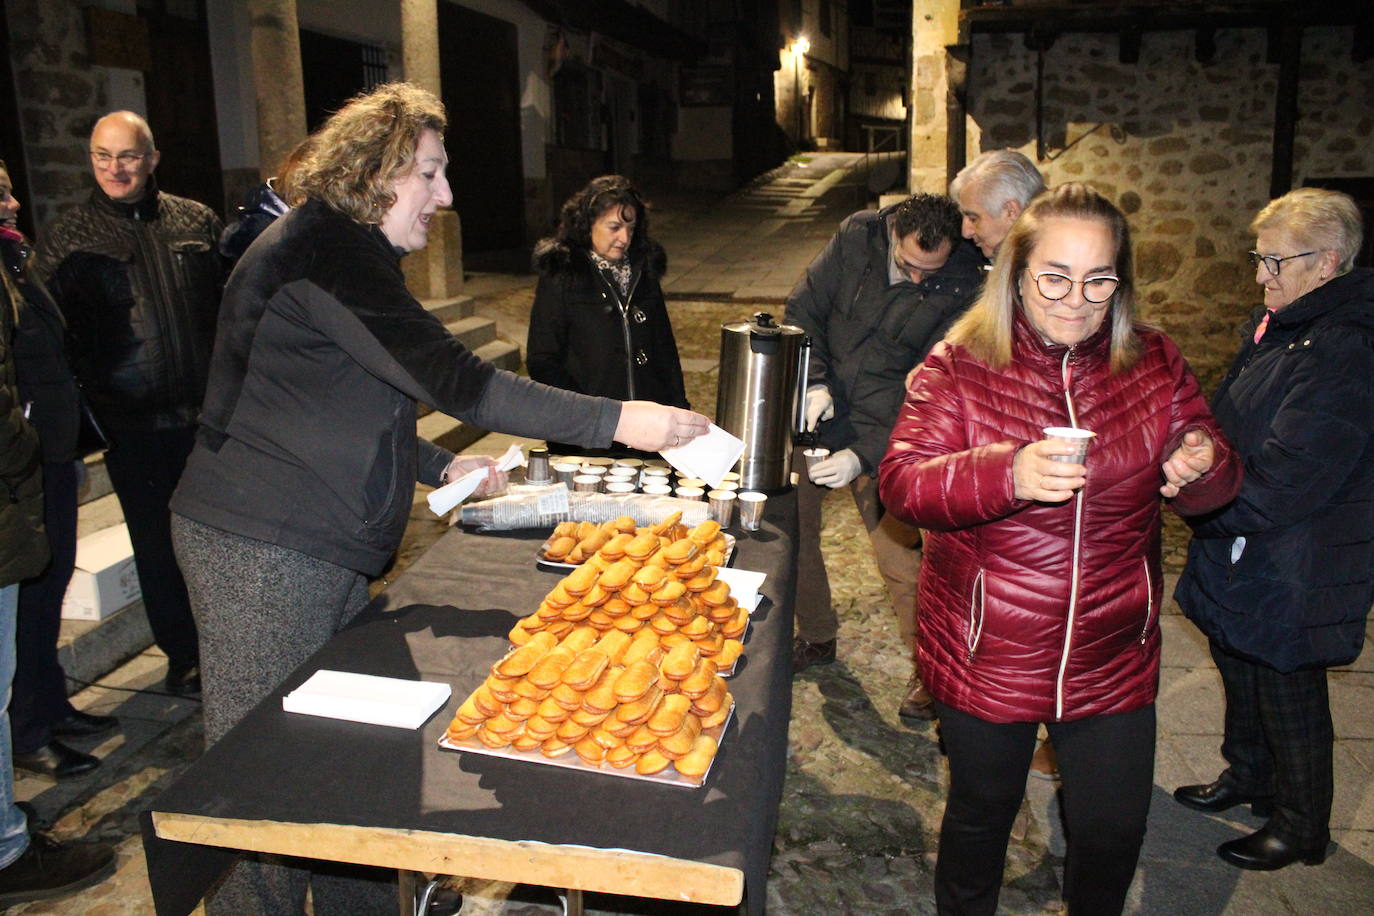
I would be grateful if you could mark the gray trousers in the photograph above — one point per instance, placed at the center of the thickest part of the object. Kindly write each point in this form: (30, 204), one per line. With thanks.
(261, 611)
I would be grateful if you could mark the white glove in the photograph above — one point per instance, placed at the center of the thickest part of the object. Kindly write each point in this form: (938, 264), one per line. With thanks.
(820, 405)
(837, 470)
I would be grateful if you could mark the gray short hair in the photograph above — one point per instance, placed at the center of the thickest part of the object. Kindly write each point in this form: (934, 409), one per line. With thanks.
(1328, 220)
(1000, 175)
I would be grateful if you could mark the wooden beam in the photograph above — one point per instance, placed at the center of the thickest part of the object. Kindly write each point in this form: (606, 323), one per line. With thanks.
(1286, 111)
(611, 871)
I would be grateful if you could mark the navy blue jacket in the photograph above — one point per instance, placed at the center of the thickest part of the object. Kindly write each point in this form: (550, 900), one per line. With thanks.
(1299, 407)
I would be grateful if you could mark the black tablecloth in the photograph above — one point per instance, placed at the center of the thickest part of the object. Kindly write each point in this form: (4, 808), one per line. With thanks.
(446, 619)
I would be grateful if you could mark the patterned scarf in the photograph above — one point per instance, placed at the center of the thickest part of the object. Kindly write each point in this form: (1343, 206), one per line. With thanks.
(617, 271)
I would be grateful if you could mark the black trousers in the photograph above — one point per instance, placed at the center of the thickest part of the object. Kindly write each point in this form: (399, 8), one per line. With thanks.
(145, 467)
(1107, 767)
(1279, 741)
(40, 686)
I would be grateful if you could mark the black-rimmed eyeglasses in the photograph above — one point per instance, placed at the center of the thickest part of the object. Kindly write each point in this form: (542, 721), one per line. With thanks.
(128, 160)
(1274, 263)
(1056, 286)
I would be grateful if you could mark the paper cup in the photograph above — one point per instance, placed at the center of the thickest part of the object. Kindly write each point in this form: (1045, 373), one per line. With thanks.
(633, 464)
(730, 477)
(695, 493)
(619, 487)
(565, 473)
(814, 455)
(728, 485)
(751, 509)
(657, 489)
(599, 462)
(692, 482)
(587, 483)
(1075, 437)
(722, 504)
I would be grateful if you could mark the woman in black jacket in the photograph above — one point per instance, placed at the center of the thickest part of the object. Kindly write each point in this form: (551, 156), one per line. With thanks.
(1281, 579)
(40, 713)
(599, 325)
(305, 463)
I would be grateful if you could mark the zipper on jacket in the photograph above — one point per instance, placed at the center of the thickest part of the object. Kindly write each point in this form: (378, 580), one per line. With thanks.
(1066, 376)
(977, 606)
(1149, 600)
(624, 308)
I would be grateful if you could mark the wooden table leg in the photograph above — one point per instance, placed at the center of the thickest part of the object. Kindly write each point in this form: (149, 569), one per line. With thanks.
(572, 902)
(415, 891)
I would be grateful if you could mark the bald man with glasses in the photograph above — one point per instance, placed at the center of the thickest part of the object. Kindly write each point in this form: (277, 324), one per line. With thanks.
(138, 276)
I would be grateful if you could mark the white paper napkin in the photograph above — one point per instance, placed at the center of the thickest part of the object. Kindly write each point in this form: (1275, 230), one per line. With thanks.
(367, 698)
(744, 585)
(445, 498)
(708, 456)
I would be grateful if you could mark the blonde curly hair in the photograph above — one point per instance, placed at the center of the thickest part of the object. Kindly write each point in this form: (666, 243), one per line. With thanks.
(353, 160)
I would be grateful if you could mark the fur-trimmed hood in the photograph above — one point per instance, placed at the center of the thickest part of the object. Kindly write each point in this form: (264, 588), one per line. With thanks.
(555, 256)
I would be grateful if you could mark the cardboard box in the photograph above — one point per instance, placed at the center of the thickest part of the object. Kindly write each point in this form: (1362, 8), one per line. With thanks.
(105, 579)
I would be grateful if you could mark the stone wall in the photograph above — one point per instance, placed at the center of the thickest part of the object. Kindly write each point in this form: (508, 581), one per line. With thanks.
(60, 97)
(1183, 147)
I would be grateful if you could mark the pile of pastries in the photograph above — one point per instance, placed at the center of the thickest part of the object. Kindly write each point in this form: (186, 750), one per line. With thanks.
(620, 664)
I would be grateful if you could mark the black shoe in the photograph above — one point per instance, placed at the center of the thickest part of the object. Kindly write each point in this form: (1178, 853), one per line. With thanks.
(1221, 795)
(182, 681)
(805, 654)
(56, 761)
(80, 724)
(49, 869)
(1263, 851)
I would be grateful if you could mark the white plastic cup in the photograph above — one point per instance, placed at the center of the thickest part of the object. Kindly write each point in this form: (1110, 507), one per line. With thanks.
(592, 470)
(1076, 437)
(619, 487)
(722, 503)
(692, 482)
(694, 493)
(657, 489)
(751, 509)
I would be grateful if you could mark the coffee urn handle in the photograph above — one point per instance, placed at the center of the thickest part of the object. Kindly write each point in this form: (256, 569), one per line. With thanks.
(799, 433)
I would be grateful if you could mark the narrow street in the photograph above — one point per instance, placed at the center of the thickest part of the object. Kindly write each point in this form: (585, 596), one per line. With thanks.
(863, 799)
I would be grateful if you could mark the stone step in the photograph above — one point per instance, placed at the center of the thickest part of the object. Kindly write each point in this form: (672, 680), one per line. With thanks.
(500, 353)
(90, 649)
(472, 330)
(449, 309)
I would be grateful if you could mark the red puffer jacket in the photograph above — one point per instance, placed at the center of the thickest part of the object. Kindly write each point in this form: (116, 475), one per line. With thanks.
(1031, 611)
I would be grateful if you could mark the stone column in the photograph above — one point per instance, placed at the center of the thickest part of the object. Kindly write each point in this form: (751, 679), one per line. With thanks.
(437, 271)
(277, 80)
(934, 26)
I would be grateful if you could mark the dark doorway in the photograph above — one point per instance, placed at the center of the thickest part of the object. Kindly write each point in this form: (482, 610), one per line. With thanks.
(11, 140)
(481, 84)
(181, 106)
(335, 70)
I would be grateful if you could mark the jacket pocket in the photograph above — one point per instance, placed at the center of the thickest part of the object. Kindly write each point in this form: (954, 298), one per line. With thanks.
(1150, 600)
(381, 490)
(977, 606)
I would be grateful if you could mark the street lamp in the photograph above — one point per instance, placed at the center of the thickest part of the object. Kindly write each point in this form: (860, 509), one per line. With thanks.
(799, 49)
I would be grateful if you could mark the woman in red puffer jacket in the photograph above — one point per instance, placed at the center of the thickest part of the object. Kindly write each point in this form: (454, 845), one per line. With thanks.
(1041, 587)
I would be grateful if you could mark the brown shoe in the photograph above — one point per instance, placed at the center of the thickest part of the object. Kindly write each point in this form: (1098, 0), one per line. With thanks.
(1045, 764)
(919, 705)
(805, 654)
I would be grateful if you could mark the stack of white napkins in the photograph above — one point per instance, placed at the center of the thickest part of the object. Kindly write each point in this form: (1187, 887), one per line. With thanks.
(367, 698)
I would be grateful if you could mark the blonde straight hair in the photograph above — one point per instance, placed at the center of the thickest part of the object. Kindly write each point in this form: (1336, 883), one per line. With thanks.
(986, 328)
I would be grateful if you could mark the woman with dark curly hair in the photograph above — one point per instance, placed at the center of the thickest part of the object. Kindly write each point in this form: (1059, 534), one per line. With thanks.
(599, 325)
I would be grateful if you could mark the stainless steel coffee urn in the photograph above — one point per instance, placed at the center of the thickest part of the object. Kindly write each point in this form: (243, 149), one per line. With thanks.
(762, 377)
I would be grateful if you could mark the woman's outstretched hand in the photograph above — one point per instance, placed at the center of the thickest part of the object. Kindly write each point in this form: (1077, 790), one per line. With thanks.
(652, 427)
(1190, 460)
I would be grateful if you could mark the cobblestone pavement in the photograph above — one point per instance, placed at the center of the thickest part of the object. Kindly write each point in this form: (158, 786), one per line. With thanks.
(860, 813)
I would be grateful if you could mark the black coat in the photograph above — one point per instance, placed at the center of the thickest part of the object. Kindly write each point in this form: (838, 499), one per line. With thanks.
(583, 338)
(23, 546)
(867, 334)
(307, 439)
(40, 353)
(1299, 407)
(139, 285)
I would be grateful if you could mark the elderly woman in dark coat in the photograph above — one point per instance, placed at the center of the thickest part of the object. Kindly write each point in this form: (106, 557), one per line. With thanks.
(1281, 579)
(599, 325)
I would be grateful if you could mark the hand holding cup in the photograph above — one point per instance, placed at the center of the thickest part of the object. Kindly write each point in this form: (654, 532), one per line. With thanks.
(1049, 471)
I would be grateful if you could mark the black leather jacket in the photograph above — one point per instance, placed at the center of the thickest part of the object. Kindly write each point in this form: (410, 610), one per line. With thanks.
(140, 287)
(23, 548)
(46, 383)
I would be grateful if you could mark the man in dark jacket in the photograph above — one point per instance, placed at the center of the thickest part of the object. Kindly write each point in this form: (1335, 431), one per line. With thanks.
(138, 276)
(881, 294)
